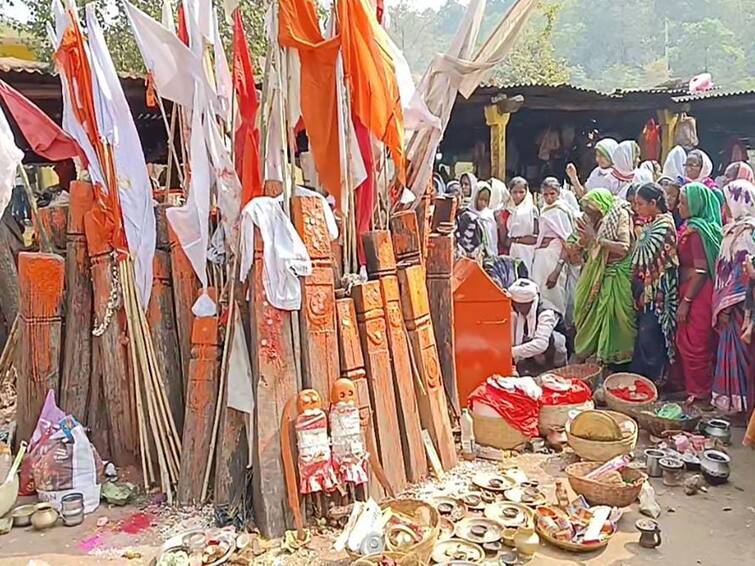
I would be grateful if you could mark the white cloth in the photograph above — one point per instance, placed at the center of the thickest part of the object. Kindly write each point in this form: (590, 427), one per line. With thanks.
(285, 256)
(603, 178)
(606, 147)
(223, 80)
(707, 166)
(625, 158)
(166, 16)
(520, 224)
(240, 391)
(116, 125)
(501, 196)
(556, 223)
(526, 384)
(10, 159)
(673, 167)
(330, 218)
(570, 200)
(485, 217)
(538, 337)
(227, 183)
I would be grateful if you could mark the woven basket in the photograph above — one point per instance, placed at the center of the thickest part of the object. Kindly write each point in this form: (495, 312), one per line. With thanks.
(656, 425)
(570, 546)
(398, 557)
(597, 492)
(416, 509)
(589, 373)
(555, 416)
(624, 379)
(597, 451)
(496, 432)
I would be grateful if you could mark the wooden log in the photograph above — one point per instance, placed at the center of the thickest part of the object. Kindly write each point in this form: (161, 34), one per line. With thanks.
(381, 266)
(352, 367)
(423, 212)
(274, 367)
(77, 377)
(41, 284)
(368, 301)
(432, 400)
(444, 215)
(440, 263)
(117, 386)
(8, 276)
(201, 398)
(185, 289)
(318, 317)
(97, 419)
(162, 322)
(54, 220)
(407, 244)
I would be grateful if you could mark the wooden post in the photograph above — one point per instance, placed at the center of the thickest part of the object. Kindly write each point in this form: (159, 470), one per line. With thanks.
(185, 289)
(201, 397)
(274, 367)
(8, 278)
(498, 122)
(117, 386)
(54, 220)
(352, 367)
(432, 400)
(668, 120)
(162, 323)
(318, 317)
(406, 240)
(76, 378)
(41, 282)
(440, 263)
(423, 220)
(373, 331)
(381, 266)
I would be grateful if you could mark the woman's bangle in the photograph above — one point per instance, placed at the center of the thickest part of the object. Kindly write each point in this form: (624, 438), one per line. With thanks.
(688, 300)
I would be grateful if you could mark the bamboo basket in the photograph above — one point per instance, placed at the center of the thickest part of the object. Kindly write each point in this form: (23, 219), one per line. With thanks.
(589, 373)
(416, 509)
(490, 431)
(627, 407)
(398, 557)
(612, 493)
(656, 425)
(570, 546)
(597, 451)
(555, 416)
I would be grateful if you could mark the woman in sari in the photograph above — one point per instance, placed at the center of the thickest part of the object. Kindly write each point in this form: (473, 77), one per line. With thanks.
(733, 378)
(699, 245)
(698, 168)
(601, 176)
(626, 160)
(476, 230)
(521, 226)
(468, 184)
(604, 309)
(739, 170)
(655, 273)
(549, 269)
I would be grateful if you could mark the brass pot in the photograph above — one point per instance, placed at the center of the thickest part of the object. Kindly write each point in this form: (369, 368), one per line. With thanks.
(44, 517)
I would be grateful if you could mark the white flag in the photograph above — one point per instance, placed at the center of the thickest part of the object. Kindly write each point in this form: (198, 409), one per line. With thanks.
(173, 66)
(167, 16)
(10, 159)
(116, 125)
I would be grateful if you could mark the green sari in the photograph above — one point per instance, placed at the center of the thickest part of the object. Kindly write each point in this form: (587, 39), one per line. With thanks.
(604, 307)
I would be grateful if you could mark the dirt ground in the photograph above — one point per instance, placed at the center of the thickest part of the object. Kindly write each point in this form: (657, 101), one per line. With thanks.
(713, 529)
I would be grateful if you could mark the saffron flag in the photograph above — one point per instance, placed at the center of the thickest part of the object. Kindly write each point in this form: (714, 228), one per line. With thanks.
(247, 134)
(44, 136)
(10, 159)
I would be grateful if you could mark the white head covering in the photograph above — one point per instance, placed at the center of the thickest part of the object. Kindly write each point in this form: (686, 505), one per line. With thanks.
(500, 195)
(740, 197)
(521, 221)
(486, 217)
(673, 168)
(524, 291)
(643, 175)
(624, 159)
(472, 184)
(607, 147)
(707, 165)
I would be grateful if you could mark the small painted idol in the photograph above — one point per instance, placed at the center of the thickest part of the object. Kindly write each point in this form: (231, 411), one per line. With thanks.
(316, 472)
(349, 454)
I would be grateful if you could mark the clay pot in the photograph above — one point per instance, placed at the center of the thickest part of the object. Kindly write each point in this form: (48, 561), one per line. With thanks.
(526, 541)
(44, 517)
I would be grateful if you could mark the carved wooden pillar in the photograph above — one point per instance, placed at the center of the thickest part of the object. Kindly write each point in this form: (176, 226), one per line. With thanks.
(77, 351)
(406, 240)
(201, 398)
(381, 266)
(318, 317)
(368, 301)
(54, 220)
(111, 344)
(41, 283)
(498, 121)
(185, 289)
(274, 367)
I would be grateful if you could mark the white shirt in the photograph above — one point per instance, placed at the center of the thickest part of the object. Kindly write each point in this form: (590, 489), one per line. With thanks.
(546, 323)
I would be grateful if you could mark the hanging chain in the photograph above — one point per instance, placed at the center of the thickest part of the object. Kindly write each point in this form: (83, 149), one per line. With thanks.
(113, 300)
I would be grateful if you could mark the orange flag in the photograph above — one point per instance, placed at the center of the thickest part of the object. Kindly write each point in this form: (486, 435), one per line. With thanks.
(298, 28)
(369, 71)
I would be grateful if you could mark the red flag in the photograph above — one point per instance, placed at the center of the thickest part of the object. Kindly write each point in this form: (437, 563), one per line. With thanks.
(247, 139)
(183, 32)
(44, 136)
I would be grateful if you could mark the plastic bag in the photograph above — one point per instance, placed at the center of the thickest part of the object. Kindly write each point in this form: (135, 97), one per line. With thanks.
(648, 505)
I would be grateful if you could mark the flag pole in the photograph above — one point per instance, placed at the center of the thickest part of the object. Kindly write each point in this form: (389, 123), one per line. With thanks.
(44, 237)
(169, 131)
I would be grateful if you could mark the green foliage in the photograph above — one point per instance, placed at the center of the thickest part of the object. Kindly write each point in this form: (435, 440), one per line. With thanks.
(118, 33)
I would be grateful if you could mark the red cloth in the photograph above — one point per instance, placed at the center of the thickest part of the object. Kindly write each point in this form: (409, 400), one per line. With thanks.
(364, 196)
(643, 392)
(44, 136)
(247, 144)
(651, 141)
(695, 340)
(183, 32)
(516, 408)
(578, 393)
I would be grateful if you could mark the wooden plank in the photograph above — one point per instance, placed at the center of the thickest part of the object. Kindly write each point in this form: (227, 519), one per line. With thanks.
(317, 317)
(185, 289)
(432, 401)
(440, 261)
(77, 376)
(423, 212)
(381, 265)
(41, 284)
(407, 244)
(201, 398)
(352, 367)
(162, 322)
(54, 220)
(368, 301)
(8, 277)
(117, 387)
(96, 414)
(444, 215)
(274, 368)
